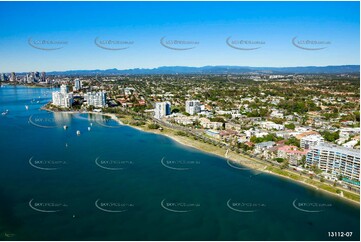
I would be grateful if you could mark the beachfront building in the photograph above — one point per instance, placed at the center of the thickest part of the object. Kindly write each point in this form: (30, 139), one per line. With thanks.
(291, 153)
(193, 107)
(96, 99)
(260, 147)
(162, 109)
(63, 98)
(185, 120)
(336, 161)
(310, 141)
(212, 133)
(207, 124)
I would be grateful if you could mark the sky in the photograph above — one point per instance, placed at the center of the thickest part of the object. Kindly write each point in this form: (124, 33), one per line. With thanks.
(262, 34)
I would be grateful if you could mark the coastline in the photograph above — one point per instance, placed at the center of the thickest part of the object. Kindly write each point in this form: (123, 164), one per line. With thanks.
(252, 166)
(240, 159)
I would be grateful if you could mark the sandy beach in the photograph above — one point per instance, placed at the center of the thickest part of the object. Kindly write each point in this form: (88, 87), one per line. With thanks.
(231, 156)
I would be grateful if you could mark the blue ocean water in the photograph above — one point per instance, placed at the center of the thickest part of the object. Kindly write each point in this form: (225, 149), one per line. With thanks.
(113, 182)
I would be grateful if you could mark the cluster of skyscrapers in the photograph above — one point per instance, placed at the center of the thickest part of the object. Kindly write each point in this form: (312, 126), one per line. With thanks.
(64, 98)
(32, 77)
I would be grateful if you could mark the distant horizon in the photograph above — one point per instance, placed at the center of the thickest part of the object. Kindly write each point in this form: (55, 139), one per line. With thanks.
(129, 35)
(215, 66)
(200, 66)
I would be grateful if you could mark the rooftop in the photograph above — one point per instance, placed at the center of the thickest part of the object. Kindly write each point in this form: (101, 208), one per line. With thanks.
(340, 149)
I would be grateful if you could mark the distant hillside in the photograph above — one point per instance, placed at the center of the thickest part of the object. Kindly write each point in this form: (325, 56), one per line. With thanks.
(345, 69)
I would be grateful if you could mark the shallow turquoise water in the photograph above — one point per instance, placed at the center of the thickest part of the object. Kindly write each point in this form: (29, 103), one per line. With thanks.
(109, 183)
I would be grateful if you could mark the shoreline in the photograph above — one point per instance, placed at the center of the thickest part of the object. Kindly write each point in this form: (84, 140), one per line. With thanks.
(262, 170)
(232, 156)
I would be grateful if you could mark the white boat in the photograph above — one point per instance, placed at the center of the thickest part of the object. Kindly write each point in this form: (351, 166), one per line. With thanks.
(65, 127)
(26, 107)
(5, 112)
(78, 132)
(89, 128)
(91, 124)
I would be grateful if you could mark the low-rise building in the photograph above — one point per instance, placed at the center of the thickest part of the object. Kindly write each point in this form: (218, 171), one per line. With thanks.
(260, 147)
(233, 126)
(276, 114)
(291, 153)
(271, 125)
(184, 120)
(350, 144)
(213, 133)
(207, 124)
(310, 141)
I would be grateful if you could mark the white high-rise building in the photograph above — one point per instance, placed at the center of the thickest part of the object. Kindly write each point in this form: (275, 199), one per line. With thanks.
(77, 85)
(162, 109)
(3, 77)
(64, 89)
(30, 78)
(96, 99)
(193, 107)
(336, 161)
(63, 98)
(13, 77)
